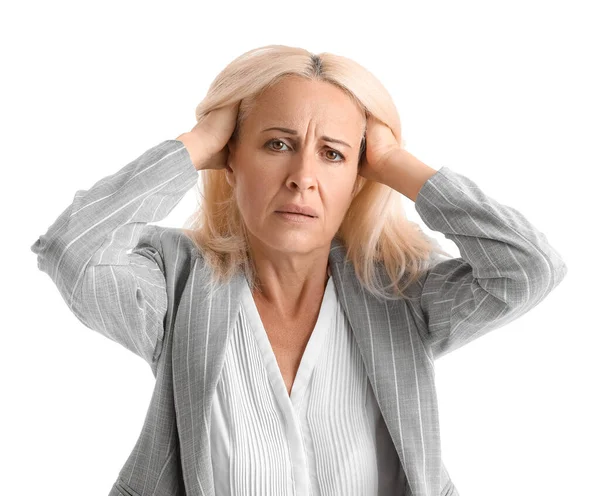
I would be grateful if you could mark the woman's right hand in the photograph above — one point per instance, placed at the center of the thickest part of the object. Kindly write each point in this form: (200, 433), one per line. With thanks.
(207, 141)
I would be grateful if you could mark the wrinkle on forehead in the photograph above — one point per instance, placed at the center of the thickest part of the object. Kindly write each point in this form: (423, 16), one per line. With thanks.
(323, 107)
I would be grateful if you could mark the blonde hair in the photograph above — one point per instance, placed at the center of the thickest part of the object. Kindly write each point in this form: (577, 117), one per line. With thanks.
(375, 229)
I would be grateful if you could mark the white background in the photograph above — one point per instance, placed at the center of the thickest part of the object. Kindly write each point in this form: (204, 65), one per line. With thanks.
(505, 93)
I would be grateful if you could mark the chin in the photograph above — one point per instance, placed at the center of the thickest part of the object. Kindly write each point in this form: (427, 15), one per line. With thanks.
(293, 242)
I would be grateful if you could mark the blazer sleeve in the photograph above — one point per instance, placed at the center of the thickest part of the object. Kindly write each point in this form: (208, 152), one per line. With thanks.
(106, 261)
(506, 267)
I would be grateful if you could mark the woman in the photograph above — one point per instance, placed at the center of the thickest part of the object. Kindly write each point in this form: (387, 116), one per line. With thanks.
(293, 352)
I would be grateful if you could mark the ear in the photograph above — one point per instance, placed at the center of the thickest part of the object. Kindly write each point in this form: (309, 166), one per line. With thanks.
(229, 174)
(230, 160)
(231, 146)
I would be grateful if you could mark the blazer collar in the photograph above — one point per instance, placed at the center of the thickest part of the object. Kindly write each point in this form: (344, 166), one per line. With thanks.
(392, 358)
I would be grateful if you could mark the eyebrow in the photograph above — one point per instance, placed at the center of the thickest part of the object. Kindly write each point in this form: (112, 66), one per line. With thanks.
(295, 133)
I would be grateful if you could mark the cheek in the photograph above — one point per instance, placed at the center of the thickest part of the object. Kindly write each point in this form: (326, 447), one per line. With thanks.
(253, 193)
(338, 198)
(344, 187)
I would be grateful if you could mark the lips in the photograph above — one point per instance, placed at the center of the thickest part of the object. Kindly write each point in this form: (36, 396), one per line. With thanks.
(295, 213)
(292, 208)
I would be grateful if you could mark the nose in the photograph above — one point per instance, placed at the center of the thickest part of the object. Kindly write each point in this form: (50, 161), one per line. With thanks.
(303, 170)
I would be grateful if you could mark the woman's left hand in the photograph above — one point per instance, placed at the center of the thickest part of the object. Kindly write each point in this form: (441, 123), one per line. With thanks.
(381, 144)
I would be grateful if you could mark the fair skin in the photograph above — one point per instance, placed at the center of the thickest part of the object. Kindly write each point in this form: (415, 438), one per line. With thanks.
(269, 169)
(295, 272)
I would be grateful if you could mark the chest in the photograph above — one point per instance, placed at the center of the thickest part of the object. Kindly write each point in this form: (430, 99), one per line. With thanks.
(288, 339)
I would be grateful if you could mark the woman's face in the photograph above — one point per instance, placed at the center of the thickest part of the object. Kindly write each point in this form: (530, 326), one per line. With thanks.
(271, 168)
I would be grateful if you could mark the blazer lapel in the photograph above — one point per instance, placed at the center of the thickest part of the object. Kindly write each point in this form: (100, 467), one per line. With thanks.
(390, 347)
(400, 372)
(203, 323)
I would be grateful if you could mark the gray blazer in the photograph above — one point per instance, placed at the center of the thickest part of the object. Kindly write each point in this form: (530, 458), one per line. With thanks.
(147, 288)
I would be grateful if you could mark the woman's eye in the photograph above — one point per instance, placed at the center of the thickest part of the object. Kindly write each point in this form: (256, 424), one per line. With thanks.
(329, 151)
(276, 141)
(338, 154)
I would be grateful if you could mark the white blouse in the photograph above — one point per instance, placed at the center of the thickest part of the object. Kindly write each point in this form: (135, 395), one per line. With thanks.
(326, 438)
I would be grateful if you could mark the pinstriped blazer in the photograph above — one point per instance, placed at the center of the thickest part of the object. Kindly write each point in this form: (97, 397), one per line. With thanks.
(146, 287)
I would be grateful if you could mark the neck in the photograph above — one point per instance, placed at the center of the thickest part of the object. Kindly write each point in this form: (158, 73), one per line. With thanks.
(290, 292)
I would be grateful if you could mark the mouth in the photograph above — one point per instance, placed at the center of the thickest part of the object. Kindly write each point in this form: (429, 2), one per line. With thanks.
(295, 215)
(297, 210)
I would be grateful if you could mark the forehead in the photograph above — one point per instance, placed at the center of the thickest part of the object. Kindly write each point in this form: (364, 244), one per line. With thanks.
(294, 101)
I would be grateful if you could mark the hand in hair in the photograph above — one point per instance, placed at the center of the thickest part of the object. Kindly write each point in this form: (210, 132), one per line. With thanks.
(207, 141)
(389, 163)
(380, 145)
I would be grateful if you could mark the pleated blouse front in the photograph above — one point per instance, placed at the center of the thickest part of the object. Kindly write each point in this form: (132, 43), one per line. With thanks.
(326, 438)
